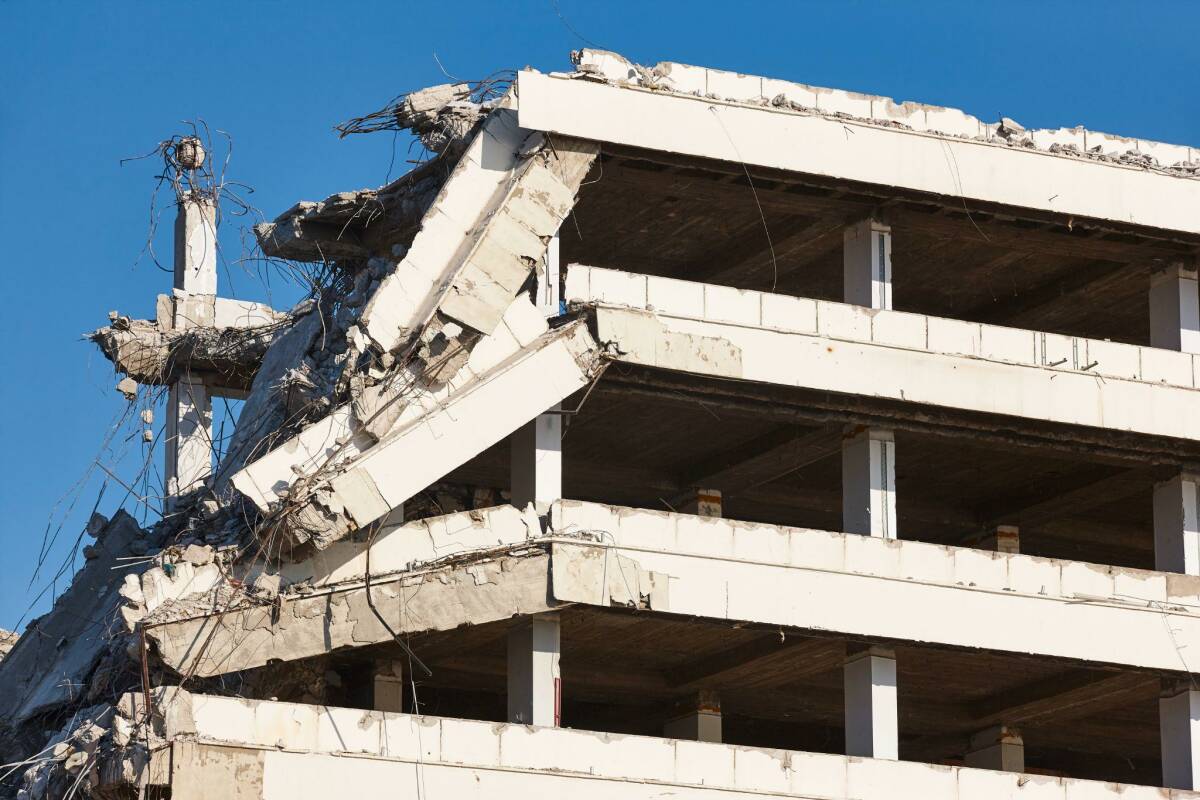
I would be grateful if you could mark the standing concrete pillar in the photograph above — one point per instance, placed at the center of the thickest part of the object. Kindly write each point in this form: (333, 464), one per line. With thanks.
(189, 445)
(867, 264)
(872, 727)
(869, 483)
(388, 687)
(1179, 735)
(700, 720)
(1002, 539)
(1177, 524)
(537, 446)
(869, 455)
(702, 503)
(534, 679)
(1175, 308)
(1000, 748)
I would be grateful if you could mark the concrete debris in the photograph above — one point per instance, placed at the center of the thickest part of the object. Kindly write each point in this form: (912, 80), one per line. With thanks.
(8, 640)
(149, 355)
(128, 387)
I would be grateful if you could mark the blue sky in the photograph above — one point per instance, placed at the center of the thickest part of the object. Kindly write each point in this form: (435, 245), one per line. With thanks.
(83, 85)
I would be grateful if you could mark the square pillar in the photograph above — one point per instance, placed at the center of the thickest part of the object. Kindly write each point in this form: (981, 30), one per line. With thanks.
(1000, 748)
(534, 679)
(703, 503)
(869, 483)
(1179, 735)
(701, 722)
(1175, 308)
(1002, 539)
(196, 246)
(867, 264)
(1177, 525)
(188, 447)
(537, 462)
(872, 727)
(388, 689)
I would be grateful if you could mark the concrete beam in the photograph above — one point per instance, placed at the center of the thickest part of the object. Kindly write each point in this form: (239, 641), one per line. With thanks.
(720, 332)
(764, 136)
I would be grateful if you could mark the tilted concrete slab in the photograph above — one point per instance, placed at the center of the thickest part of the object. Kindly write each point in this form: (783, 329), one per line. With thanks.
(849, 149)
(472, 565)
(289, 751)
(722, 332)
(352, 486)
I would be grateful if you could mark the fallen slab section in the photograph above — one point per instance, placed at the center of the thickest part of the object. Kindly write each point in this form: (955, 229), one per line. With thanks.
(841, 147)
(270, 750)
(487, 565)
(349, 482)
(721, 332)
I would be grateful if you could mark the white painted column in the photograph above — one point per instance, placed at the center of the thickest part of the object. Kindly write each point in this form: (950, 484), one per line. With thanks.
(388, 688)
(869, 455)
(189, 446)
(537, 446)
(1000, 748)
(1179, 736)
(534, 679)
(869, 483)
(872, 727)
(699, 723)
(867, 264)
(189, 436)
(1175, 308)
(1177, 524)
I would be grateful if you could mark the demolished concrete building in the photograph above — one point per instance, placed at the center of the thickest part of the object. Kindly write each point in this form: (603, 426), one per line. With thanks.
(670, 432)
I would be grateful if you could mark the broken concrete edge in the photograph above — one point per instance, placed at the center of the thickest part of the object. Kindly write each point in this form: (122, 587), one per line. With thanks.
(357, 482)
(606, 556)
(731, 87)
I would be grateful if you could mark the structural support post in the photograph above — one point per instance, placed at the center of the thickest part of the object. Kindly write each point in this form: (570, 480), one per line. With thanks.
(872, 727)
(1179, 735)
(703, 503)
(868, 454)
(1175, 308)
(189, 445)
(1002, 539)
(1000, 748)
(869, 483)
(1177, 524)
(700, 722)
(537, 446)
(534, 680)
(388, 688)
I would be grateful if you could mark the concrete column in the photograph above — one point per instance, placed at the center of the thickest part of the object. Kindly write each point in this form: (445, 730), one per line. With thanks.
(388, 689)
(701, 722)
(869, 483)
(189, 436)
(1002, 539)
(999, 747)
(872, 729)
(703, 503)
(189, 445)
(537, 446)
(1179, 735)
(534, 679)
(196, 246)
(1177, 525)
(1175, 308)
(867, 264)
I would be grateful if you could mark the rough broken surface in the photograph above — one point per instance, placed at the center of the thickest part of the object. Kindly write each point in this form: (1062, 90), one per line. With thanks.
(8, 640)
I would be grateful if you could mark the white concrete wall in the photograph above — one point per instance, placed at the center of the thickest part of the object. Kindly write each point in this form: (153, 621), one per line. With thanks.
(726, 332)
(861, 151)
(318, 752)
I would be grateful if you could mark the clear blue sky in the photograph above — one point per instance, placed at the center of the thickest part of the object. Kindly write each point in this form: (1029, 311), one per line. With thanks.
(85, 84)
